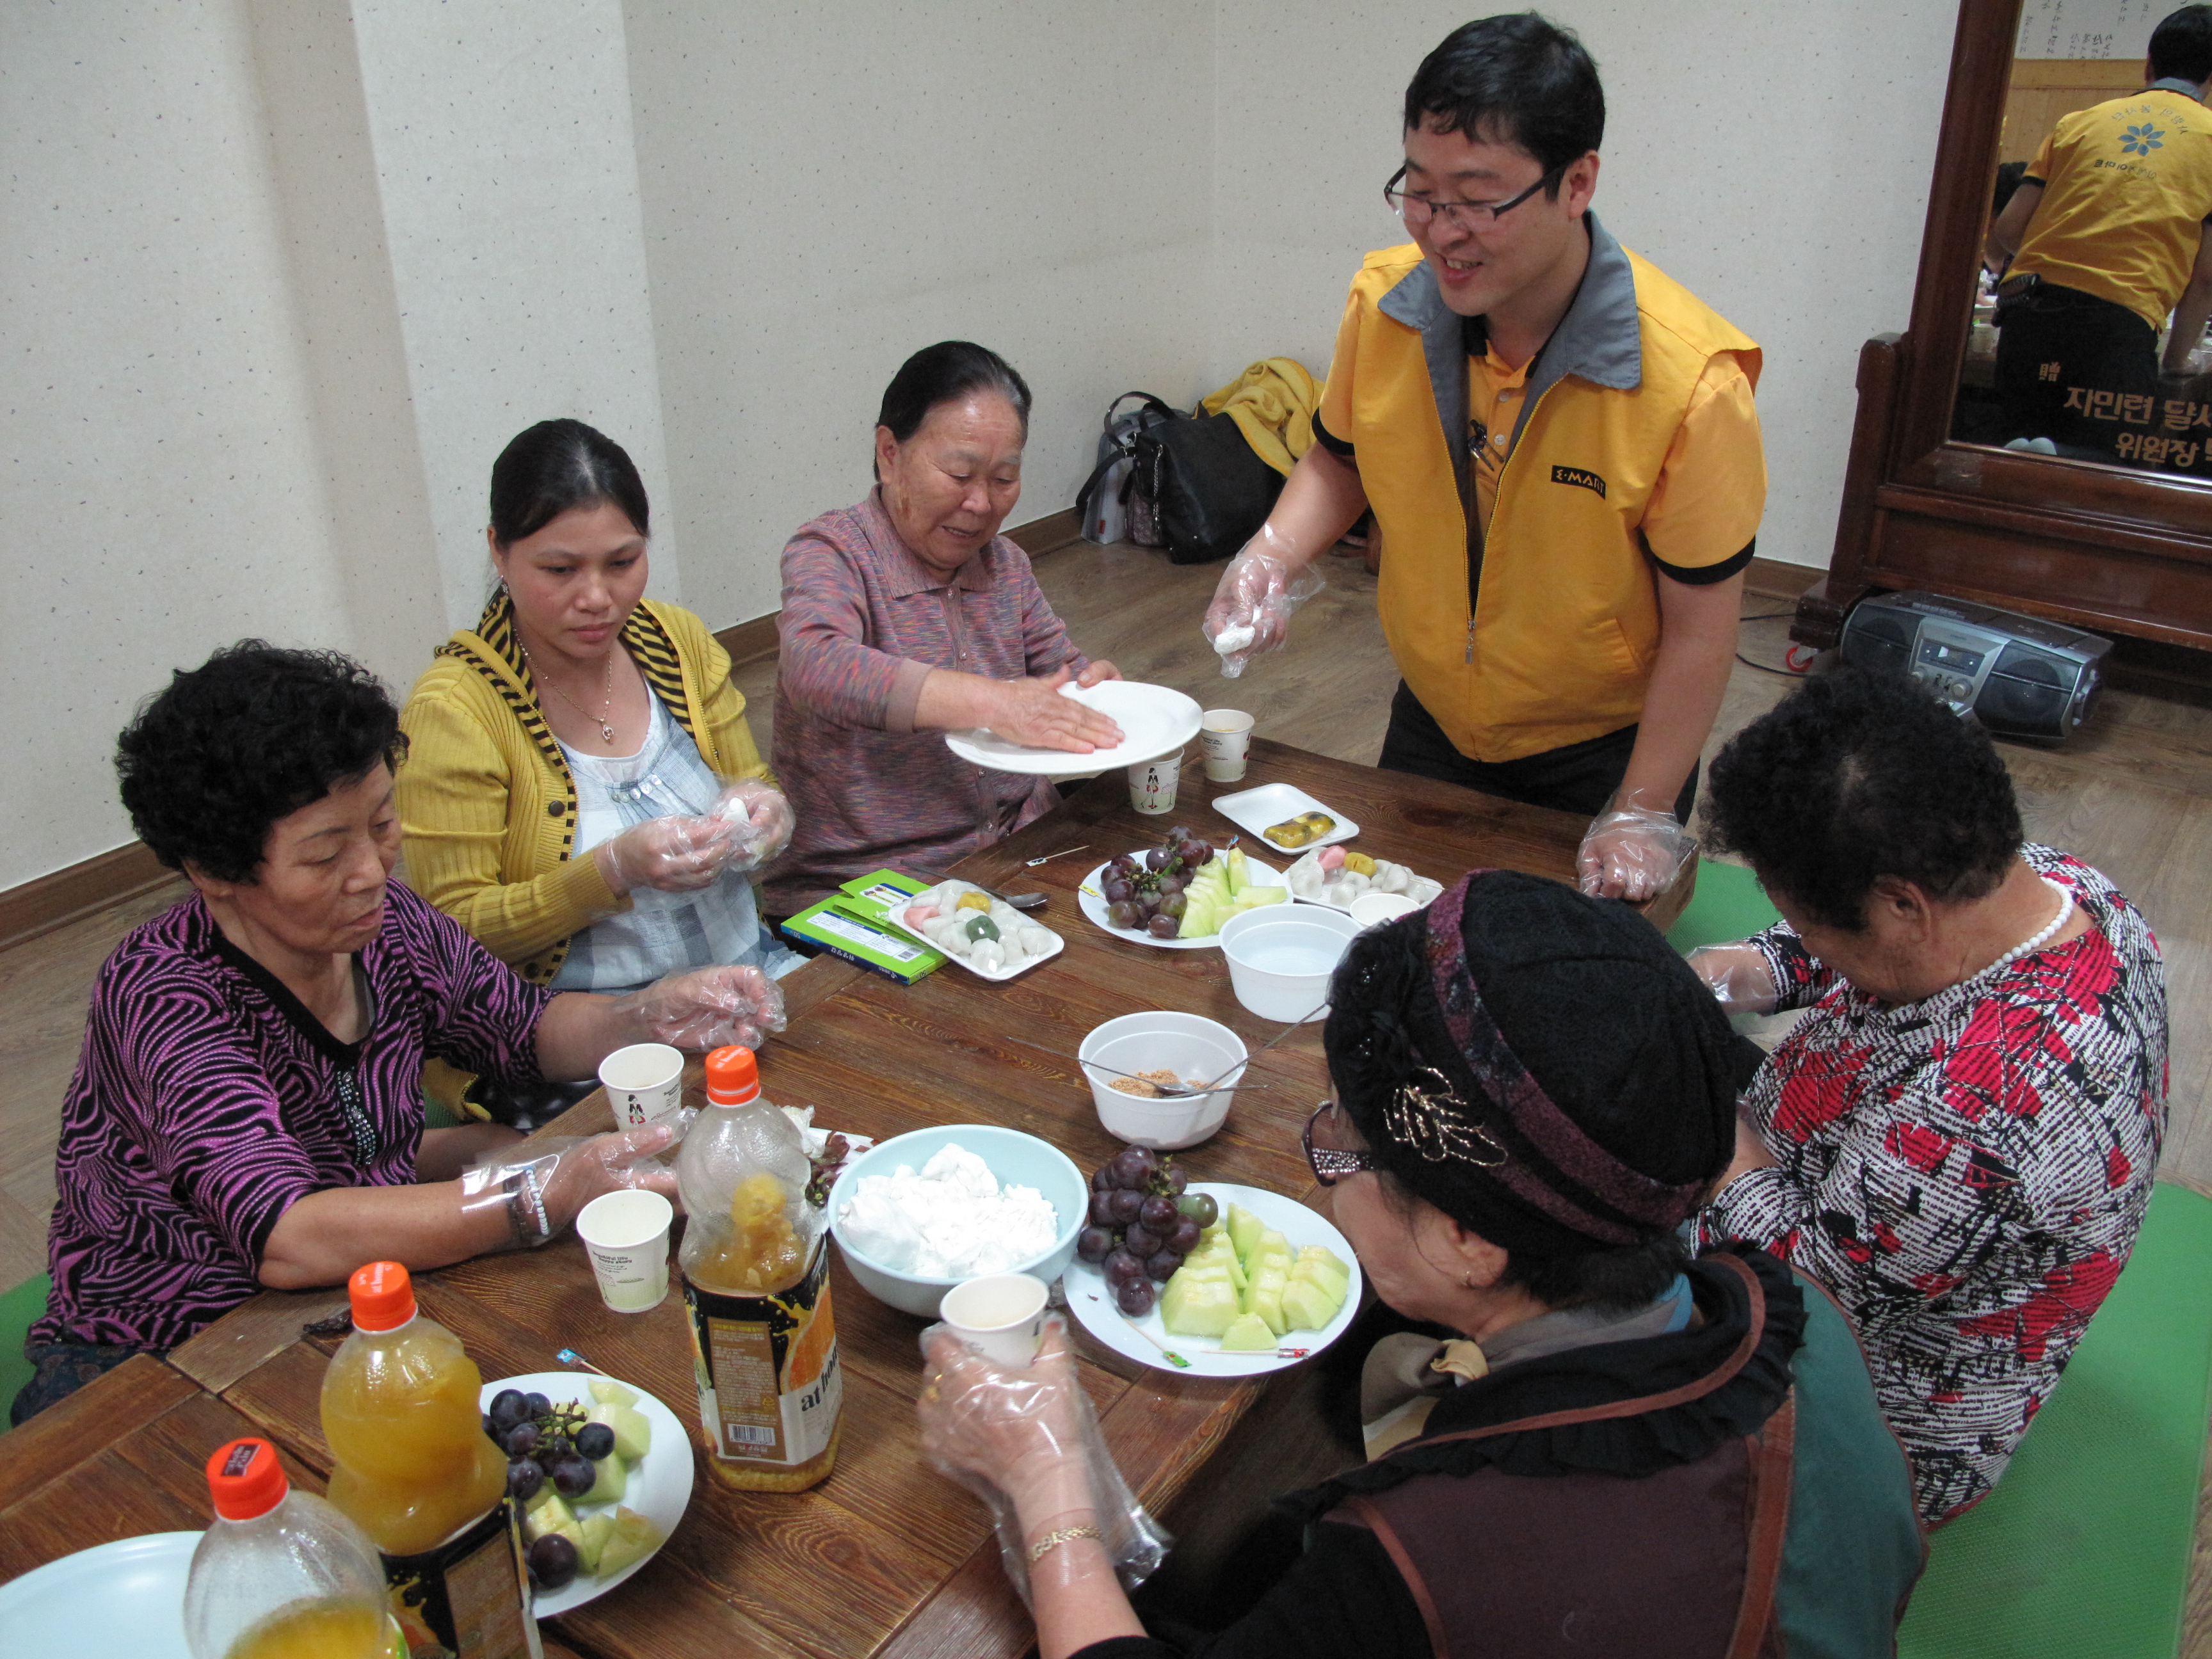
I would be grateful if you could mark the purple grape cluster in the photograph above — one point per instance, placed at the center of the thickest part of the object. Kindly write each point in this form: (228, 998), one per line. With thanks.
(1142, 1224)
(1146, 894)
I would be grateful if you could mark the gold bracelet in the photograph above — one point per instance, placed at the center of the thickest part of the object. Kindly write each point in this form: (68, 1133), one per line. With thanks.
(1053, 1541)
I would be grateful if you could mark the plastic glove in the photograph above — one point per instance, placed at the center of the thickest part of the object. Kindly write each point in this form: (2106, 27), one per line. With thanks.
(707, 1007)
(760, 820)
(1254, 599)
(1631, 851)
(675, 854)
(1027, 1443)
(541, 1194)
(1741, 981)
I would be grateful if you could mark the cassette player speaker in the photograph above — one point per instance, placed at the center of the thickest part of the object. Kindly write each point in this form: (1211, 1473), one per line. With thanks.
(2020, 675)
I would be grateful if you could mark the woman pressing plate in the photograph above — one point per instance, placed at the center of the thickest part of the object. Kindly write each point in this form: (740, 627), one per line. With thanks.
(907, 615)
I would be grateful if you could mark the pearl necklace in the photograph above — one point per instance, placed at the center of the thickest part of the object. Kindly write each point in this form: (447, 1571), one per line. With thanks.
(2028, 947)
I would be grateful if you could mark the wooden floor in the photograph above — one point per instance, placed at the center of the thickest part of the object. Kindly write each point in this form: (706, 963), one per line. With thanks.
(2132, 794)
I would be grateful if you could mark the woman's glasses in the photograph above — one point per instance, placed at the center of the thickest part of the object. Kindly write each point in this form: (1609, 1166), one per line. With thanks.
(1330, 1163)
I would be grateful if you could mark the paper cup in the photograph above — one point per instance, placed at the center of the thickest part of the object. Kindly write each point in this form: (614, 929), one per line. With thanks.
(1152, 783)
(626, 1236)
(644, 1082)
(1000, 1315)
(1226, 734)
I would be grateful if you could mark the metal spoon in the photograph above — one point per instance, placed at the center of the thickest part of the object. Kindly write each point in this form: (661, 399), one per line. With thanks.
(1176, 1090)
(1017, 901)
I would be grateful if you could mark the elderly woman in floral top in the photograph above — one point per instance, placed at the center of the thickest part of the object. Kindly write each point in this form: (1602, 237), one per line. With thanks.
(1959, 1137)
(908, 615)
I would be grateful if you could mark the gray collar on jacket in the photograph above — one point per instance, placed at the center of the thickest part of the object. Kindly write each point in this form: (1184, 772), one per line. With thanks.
(1600, 339)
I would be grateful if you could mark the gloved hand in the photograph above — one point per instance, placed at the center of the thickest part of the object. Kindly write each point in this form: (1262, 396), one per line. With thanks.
(707, 1007)
(542, 1195)
(1633, 852)
(1741, 980)
(675, 854)
(1253, 600)
(760, 820)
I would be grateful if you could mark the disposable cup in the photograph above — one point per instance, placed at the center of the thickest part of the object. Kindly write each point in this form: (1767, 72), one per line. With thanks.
(644, 1082)
(1001, 1315)
(626, 1236)
(1226, 734)
(1152, 783)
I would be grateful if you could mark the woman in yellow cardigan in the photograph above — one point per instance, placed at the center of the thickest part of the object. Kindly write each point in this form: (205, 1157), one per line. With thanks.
(580, 790)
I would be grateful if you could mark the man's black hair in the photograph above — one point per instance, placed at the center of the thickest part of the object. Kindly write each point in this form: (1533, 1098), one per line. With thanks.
(1514, 79)
(251, 736)
(2181, 46)
(1861, 775)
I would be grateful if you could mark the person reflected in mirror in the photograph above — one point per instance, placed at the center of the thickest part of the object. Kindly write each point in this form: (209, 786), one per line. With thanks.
(1564, 557)
(2106, 238)
(907, 615)
(1585, 1428)
(1958, 1138)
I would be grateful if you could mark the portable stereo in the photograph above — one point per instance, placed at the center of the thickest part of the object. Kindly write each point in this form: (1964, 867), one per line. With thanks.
(2018, 675)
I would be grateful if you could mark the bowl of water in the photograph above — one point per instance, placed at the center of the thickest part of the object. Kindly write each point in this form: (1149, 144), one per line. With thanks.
(1280, 958)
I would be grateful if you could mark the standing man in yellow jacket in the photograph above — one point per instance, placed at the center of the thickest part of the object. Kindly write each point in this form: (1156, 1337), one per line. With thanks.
(1560, 449)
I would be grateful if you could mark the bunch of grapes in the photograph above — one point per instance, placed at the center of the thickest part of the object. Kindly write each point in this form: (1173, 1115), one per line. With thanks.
(1142, 1225)
(545, 1441)
(1147, 894)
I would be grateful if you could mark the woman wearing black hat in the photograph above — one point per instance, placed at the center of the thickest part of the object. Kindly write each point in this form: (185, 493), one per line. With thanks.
(1594, 1443)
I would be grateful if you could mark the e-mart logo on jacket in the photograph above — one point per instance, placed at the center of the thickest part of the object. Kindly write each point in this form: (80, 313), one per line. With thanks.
(1579, 478)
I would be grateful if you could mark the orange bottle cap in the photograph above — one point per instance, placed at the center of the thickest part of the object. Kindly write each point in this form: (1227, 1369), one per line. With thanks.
(383, 1296)
(245, 1479)
(732, 1076)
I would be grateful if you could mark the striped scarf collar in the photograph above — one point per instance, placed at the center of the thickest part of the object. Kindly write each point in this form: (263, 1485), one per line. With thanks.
(494, 650)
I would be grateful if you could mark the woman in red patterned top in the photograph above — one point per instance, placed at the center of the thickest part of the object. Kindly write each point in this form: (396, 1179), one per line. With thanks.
(1959, 1137)
(906, 616)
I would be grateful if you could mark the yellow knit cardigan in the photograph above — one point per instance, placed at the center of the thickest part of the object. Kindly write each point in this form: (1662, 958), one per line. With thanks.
(486, 803)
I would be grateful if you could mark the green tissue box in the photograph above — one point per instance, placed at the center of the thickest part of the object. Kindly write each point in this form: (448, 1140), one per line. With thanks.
(850, 923)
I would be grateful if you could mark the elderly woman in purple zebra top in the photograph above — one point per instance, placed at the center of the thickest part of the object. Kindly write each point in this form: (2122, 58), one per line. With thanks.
(247, 1107)
(907, 615)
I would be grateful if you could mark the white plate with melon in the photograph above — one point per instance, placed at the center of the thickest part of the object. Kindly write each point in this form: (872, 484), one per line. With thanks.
(654, 1485)
(1226, 884)
(1215, 1314)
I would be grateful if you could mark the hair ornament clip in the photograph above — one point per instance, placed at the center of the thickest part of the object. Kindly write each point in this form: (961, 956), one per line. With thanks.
(1435, 1122)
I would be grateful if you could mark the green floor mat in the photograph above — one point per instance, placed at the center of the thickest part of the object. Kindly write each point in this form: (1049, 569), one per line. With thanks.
(18, 1309)
(2084, 1547)
(1729, 905)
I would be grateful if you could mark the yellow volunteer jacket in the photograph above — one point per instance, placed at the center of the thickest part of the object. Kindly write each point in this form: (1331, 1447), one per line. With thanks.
(1271, 402)
(1542, 633)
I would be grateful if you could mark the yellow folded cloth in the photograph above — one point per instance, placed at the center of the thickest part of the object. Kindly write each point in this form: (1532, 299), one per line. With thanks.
(1273, 404)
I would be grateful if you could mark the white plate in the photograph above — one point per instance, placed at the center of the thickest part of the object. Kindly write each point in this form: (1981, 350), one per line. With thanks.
(119, 1601)
(1091, 897)
(1331, 904)
(660, 1484)
(1155, 720)
(1256, 811)
(1092, 1302)
(897, 917)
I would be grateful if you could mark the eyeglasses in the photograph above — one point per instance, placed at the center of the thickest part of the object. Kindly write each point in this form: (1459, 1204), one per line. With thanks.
(1467, 215)
(1330, 1163)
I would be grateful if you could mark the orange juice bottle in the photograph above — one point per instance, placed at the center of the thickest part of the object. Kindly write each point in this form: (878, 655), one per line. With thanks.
(756, 1266)
(281, 1575)
(413, 1469)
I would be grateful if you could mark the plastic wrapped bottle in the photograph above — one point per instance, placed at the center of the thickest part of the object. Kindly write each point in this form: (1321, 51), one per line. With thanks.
(413, 1469)
(756, 1265)
(281, 1574)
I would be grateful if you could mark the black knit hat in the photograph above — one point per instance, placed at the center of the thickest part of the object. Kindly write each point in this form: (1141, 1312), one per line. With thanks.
(1539, 1066)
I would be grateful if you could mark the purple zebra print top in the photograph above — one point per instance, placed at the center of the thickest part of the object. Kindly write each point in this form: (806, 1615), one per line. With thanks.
(207, 1100)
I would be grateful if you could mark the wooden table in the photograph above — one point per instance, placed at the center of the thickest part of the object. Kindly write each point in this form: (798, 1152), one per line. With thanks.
(886, 1557)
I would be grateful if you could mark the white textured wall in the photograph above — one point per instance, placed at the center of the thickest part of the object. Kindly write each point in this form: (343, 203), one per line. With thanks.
(1774, 157)
(503, 155)
(830, 186)
(159, 478)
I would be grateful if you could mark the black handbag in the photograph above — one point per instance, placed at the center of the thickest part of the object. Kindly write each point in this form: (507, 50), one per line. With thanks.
(1211, 493)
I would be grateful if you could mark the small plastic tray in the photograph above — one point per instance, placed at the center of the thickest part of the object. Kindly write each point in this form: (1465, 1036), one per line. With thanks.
(1256, 811)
